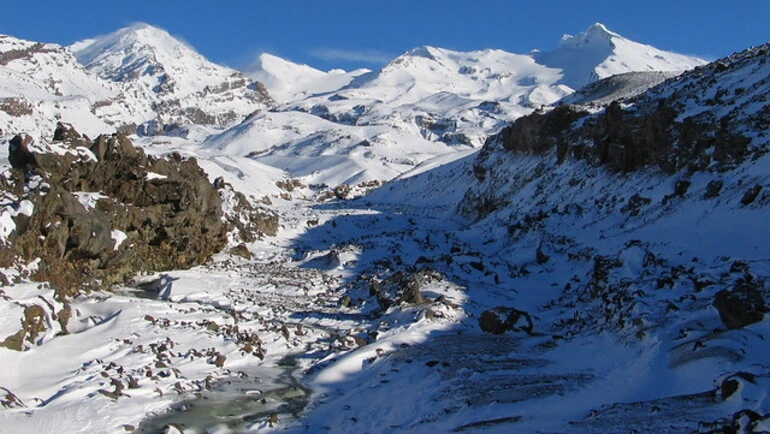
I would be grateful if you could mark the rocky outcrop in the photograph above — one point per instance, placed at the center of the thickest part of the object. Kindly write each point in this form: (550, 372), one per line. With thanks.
(103, 210)
(246, 221)
(710, 119)
(656, 128)
(402, 287)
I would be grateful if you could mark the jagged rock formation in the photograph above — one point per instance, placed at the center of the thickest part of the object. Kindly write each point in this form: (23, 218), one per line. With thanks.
(102, 210)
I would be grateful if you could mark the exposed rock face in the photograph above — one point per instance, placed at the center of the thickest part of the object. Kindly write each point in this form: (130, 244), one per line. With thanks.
(246, 221)
(103, 210)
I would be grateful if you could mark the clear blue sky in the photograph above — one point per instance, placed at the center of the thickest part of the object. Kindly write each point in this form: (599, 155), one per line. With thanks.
(349, 34)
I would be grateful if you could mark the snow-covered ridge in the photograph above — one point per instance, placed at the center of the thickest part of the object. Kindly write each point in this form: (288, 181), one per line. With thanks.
(426, 103)
(41, 82)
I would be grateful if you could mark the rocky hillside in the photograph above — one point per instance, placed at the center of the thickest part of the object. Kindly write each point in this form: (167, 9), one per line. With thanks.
(173, 81)
(650, 212)
(710, 119)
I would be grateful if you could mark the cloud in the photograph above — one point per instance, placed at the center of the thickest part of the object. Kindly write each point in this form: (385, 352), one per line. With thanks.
(364, 56)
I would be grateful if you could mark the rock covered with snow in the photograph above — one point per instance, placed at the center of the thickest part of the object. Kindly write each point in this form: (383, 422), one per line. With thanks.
(171, 79)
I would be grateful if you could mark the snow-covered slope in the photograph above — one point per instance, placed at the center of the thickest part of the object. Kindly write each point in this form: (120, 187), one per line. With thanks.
(599, 53)
(645, 276)
(617, 87)
(432, 101)
(287, 81)
(40, 83)
(171, 79)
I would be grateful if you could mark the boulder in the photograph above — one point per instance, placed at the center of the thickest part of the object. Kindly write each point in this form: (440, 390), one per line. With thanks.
(501, 319)
(751, 194)
(403, 287)
(19, 154)
(741, 306)
(713, 188)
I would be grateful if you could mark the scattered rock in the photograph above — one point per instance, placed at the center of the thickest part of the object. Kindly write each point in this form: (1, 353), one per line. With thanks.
(680, 189)
(9, 400)
(19, 154)
(403, 288)
(219, 360)
(634, 205)
(33, 324)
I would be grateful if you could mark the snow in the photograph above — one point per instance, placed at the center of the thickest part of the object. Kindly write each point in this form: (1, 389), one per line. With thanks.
(599, 53)
(119, 237)
(293, 339)
(287, 81)
(89, 199)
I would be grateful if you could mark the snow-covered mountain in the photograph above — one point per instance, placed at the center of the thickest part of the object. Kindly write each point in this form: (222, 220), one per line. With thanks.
(42, 82)
(599, 53)
(288, 81)
(170, 79)
(429, 102)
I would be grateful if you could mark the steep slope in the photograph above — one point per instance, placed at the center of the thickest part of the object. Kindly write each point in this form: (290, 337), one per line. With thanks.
(176, 83)
(647, 215)
(450, 99)
(616, 87)
(41, 82)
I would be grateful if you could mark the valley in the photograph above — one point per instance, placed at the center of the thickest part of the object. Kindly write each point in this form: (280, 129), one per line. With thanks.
(563, 241)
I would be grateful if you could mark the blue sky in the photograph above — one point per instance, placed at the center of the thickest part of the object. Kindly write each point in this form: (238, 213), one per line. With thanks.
(349, 34)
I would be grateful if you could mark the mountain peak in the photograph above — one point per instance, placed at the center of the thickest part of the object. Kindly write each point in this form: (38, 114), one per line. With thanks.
(425, 51)
(598, 52)
(596, 36)
(142, 31)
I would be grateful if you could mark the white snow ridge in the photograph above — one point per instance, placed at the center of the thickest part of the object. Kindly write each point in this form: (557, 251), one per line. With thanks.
(474, 242)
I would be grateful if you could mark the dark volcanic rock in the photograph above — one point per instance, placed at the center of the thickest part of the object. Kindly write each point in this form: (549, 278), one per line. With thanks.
(713, 188)
(19, 154)
(165, 210)
(501, 319)
(246, 221)
(751, 194)
(403, 287)
(742, 306)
